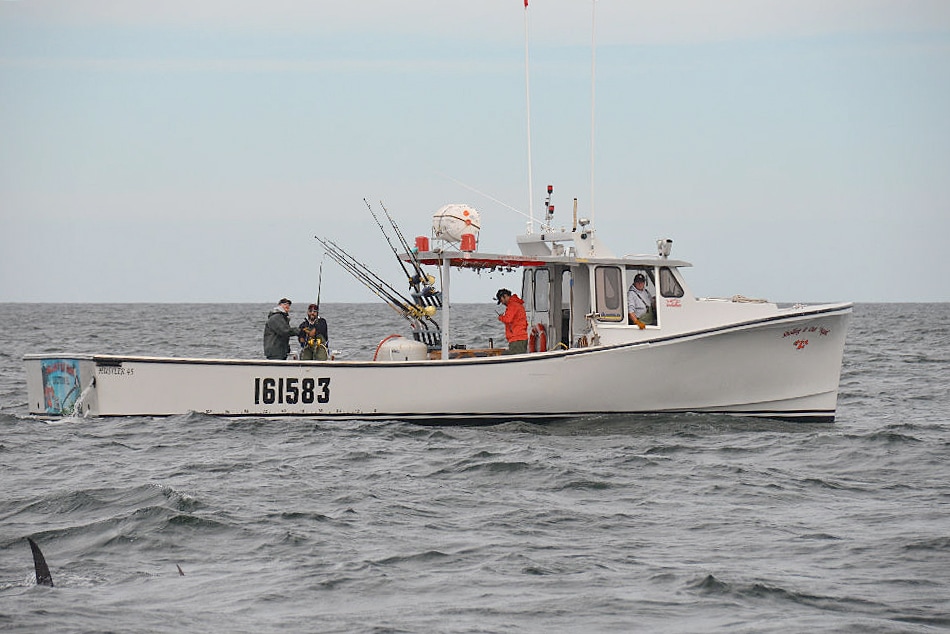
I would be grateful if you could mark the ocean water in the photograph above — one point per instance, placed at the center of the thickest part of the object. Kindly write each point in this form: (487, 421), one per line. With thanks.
(689, 523)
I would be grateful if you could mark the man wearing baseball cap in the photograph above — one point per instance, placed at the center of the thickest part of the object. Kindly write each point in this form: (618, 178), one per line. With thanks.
(515, 320)
(278, 331)
(641, 303)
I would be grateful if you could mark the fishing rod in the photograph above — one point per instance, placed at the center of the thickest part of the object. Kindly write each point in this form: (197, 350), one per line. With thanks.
(369, 275)
(312, 339)
(420, 277)
(363, 274)
(320, 280)
(385, 235)
(419, 316)
(373, 289)
(402, 238)
(377, 285)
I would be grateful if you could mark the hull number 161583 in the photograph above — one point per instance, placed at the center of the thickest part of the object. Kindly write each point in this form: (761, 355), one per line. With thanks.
(291, 390)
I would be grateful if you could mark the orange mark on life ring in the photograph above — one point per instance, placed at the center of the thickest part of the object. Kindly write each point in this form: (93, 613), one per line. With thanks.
(538, 341)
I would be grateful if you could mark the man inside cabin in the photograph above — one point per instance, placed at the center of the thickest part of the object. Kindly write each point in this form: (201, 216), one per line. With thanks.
(312, 335)
(278, 331)
(640, 303)
(515, 320)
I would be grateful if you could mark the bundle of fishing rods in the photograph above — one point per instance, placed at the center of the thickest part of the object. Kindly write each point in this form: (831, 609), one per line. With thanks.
(425, 298)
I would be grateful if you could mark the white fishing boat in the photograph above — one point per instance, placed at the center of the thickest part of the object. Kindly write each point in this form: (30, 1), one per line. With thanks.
(729, 355)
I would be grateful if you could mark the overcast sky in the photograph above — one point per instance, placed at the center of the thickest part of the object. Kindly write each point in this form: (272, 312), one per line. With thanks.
(183, 151)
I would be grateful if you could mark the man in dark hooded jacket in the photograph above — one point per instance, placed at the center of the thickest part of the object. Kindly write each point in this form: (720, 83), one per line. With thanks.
(278, 331)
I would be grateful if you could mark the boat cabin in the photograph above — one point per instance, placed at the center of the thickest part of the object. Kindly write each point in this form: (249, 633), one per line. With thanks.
(563, 300)
(577, 293)
(583, 293)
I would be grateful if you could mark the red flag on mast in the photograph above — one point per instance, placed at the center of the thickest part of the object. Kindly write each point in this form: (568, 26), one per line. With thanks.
(525, 4)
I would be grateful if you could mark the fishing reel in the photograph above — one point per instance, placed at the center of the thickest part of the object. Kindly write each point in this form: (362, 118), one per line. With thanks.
(423, 311)
(427, 280)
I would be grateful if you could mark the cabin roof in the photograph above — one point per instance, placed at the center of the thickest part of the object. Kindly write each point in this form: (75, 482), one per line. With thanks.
(478, 261)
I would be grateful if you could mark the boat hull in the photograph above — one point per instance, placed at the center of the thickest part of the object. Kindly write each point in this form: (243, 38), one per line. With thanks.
(785, 367)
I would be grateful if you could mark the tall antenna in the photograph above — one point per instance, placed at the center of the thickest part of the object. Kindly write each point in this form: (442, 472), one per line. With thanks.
(527, 89)
(593, 83)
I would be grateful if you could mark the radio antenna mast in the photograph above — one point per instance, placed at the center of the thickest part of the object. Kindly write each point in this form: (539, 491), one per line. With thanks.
(527, 89)
(593, 83)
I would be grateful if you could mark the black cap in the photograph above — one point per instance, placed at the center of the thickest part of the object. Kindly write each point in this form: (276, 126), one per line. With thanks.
(284, 300)
(312, 307)
(501, 292)
(639, 277)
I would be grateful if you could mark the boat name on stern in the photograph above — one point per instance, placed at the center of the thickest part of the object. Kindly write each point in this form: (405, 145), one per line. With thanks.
(116, 370)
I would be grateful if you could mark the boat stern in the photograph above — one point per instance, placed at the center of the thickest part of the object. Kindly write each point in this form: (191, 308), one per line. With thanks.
(60, 385)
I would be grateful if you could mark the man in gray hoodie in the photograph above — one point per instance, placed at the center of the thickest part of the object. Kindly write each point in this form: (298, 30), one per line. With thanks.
(278, 331)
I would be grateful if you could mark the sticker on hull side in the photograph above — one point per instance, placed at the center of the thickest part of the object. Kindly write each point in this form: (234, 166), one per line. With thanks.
(61, 388)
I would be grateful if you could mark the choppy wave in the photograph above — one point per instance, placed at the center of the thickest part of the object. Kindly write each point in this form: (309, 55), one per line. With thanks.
(650, 523)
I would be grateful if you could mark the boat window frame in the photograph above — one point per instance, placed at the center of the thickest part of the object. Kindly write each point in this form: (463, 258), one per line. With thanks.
(668, 281)
(565, 315)
(543, 290)
(532, 291)
(605, 276)
(651, 287)
(527, 287)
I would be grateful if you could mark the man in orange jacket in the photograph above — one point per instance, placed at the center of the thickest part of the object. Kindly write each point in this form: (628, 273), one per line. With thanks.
(515, 320)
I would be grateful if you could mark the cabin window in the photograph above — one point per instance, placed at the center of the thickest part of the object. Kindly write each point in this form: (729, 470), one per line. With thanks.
(527, 286)
(536, 290)
(567, 297)
(669, 285)
(648, 273)
(608, 287)
(542, 287)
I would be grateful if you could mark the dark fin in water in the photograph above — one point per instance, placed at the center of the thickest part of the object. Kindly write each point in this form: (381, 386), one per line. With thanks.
(181, 573)
(43, 577)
